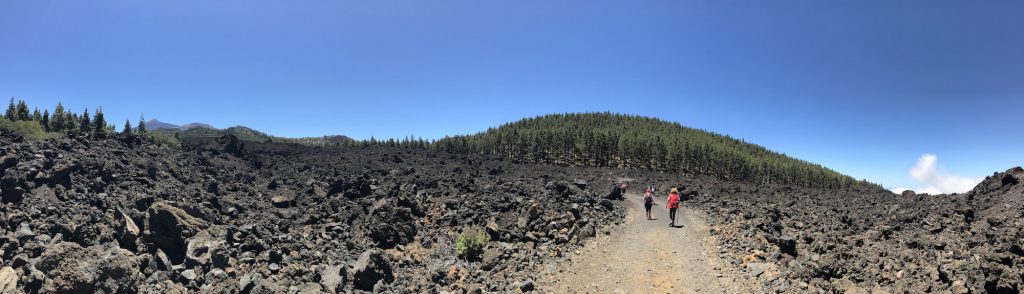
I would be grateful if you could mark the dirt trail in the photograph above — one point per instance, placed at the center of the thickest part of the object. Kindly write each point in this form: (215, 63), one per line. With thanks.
(646, 256)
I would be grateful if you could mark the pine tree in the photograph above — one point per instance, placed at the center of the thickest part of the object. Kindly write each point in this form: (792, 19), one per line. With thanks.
(84, 125)
(45, 121)
(98, 122)
(71, 122)
(141, 129)
(12, 111)
(23, 113)
(36, 116)
(127, 127)
(58, 120)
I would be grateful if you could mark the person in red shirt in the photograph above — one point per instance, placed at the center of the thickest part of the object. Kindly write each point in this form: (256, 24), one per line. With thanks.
(673, 205)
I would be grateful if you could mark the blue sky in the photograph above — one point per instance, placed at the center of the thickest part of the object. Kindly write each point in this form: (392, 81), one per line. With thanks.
(868, 88)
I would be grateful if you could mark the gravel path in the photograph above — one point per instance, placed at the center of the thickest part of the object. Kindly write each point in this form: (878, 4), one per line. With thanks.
(646, 256)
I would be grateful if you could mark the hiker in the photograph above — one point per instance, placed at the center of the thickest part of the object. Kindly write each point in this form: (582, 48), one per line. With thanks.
(648, 202)
(652, 188)
(673, 205)
(623, 187)
(616, 191)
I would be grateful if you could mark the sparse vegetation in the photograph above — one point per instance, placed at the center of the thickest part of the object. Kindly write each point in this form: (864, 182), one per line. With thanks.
(165, 139)
(470, 243)
(31, 130)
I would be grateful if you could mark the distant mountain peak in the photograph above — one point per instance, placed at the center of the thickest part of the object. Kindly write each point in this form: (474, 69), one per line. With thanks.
(155, 124)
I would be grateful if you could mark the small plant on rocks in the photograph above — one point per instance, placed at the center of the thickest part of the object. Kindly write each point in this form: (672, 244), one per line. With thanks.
(470, 244)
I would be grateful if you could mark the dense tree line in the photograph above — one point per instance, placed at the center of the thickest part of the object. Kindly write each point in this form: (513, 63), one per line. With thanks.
(627, 141)
(248, 134)
(242, 133)
(65, 121)
(407, 142)
(584, 139)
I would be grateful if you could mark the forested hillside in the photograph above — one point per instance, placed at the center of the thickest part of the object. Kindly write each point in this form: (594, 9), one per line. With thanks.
(616, 140)
(243, 133)
(584, 139)
(249, 134)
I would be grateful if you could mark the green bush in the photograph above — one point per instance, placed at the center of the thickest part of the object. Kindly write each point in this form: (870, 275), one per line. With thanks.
(31, 130)
(165, 139)
(470, 244)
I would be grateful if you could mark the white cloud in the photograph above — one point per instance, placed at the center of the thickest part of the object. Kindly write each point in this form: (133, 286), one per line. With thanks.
(934, 180)
(900, 190)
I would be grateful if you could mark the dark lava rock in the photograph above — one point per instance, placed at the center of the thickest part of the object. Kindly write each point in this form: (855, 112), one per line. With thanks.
(333, 278)
(10, 186)
(69, 268)
(390, 226)
(371, 267)
(125, 215)
(247, 282)
(206, 249)
(168, 228)
(527, 286)
(128, 231)
(24, 233)
(868, 238)
(580, 183)
(282, 201)
(232, 144)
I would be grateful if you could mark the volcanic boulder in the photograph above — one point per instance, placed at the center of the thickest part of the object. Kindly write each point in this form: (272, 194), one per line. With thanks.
(128, 231)
(8, 280)
(205, 249)
(231, 144)
(390, 225)
(371, 267)
(350, 187)
(69, 268)
(11, 189)
(1012, 177)
(580, 183)
(282, 200)
(333, 278)
(169, 227)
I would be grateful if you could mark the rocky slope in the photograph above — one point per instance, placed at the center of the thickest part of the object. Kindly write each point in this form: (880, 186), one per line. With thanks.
(803, 240)
(222, 215)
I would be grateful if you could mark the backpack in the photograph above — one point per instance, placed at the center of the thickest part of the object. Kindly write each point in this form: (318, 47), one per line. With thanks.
(648, 198)
(674, 204)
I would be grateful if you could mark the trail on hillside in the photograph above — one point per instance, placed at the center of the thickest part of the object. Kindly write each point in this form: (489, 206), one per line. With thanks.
(646, 256)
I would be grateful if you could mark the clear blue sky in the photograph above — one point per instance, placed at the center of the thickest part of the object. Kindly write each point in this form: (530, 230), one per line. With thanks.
(864, 87)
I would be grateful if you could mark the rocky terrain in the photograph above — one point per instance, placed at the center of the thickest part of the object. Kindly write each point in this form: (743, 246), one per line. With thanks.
(858, 241)
(122, 215)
